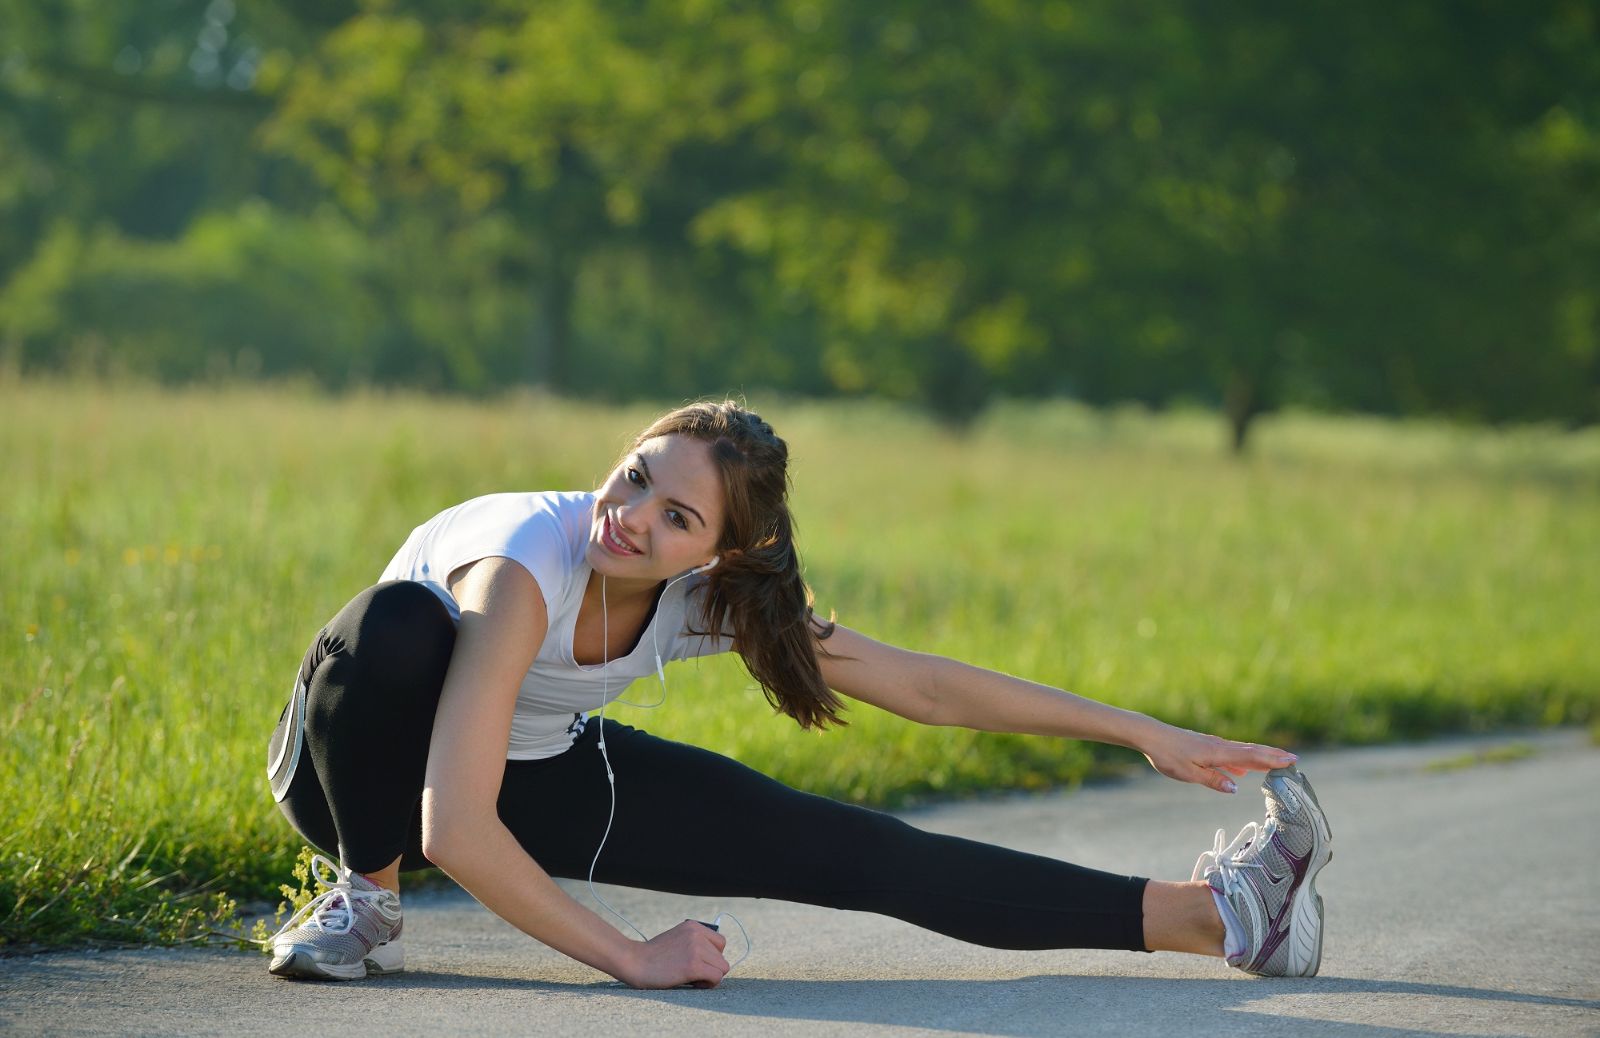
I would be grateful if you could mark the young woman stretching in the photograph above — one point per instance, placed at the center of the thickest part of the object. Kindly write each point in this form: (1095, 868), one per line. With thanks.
(440, 718)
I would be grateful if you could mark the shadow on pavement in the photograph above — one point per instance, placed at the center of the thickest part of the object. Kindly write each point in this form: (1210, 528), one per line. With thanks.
(105, 994)
(1042, 1005)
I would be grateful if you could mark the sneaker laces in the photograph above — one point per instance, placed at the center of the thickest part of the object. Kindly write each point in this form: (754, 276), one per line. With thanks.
(333, 910)
(1223, 857)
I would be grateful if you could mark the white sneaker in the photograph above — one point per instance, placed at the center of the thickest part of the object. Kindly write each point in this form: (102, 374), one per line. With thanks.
(353, 930)
(1266, 876)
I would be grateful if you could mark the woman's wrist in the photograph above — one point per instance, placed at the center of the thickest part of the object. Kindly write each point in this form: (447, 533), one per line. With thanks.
(1138, 731)
(621, 958)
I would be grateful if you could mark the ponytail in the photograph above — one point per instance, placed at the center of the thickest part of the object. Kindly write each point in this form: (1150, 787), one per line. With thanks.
(756, 589)
(768, 605)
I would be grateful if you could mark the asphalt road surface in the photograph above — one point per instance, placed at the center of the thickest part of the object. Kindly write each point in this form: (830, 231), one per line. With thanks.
(1463, 899)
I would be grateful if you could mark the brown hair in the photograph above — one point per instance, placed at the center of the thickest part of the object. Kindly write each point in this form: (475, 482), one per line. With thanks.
(756, 588)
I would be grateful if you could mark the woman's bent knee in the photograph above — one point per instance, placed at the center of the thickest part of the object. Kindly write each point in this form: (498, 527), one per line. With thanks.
(398, 624)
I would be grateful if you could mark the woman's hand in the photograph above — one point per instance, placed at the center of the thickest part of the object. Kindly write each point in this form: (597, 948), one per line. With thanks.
(1207, 760)
(689, 953)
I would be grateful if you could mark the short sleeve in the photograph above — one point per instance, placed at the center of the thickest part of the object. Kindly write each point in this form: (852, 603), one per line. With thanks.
(540, 546)
(543, 532)
(536, 539)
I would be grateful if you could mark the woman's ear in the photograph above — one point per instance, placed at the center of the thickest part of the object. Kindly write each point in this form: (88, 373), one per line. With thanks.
(717, 559)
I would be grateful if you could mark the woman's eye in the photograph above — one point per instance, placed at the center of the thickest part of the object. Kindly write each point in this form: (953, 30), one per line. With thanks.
(677, 519)
(635, 478)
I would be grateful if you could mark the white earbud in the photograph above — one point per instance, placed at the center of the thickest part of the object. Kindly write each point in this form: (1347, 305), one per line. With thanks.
(701, 569)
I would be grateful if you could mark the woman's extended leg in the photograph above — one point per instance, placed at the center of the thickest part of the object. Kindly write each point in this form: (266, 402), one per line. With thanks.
(694, 822)
(1182, 917)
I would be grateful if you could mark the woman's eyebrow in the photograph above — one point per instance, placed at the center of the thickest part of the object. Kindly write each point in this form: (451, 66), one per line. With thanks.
(671, 500)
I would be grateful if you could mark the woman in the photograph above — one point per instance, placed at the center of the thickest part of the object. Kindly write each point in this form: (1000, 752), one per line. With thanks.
(440, 718)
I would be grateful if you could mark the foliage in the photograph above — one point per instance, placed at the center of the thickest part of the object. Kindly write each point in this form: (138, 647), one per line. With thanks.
(1313, 204)
(270, 294)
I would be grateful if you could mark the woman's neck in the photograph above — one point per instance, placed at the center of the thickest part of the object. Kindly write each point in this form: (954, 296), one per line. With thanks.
(618, 594)
(612, 618)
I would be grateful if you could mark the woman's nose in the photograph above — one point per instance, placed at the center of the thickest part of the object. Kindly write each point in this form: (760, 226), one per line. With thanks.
(631, 513)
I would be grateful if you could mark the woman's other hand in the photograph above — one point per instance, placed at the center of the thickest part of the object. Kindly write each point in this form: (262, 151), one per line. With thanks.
(1208, 760)
(689, 953)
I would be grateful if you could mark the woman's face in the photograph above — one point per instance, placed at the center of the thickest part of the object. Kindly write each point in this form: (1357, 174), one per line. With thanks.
(659, 513)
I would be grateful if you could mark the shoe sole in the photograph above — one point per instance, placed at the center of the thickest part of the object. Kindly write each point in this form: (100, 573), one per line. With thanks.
(1306, 910)
(385, 959)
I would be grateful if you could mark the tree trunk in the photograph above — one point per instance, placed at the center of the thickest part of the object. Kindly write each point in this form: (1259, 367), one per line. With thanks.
(1242, 400)
(555, 305)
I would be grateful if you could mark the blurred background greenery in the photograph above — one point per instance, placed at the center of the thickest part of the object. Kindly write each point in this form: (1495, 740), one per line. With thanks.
(1389, 209)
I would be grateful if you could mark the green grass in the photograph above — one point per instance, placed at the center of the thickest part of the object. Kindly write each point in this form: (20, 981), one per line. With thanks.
(1494, 755)
(170, 554)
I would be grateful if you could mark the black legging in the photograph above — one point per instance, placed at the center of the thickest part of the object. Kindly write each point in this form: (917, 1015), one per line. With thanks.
(688, 820)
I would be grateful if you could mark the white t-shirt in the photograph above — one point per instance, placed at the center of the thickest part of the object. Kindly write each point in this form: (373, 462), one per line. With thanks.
(547, 533)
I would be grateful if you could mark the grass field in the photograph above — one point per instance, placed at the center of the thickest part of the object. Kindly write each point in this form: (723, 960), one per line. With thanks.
(170, 554)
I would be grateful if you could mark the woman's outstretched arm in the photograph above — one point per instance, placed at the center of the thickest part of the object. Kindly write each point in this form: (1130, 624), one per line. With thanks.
(937, 690)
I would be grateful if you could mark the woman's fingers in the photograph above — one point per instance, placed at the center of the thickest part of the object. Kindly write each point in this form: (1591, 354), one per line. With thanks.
(708, 972)
(712, 966)
(1217, 780)
(1242, 757)
(1235, 760)
(689, 953)
(712, 969)
(1272, 757)
(1210, 760)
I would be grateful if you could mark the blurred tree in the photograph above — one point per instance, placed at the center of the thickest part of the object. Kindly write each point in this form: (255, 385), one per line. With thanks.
(136, 116)
(1143, 200)
(1389, 209)
(1433, 257)
(124, 121)
(548, 117)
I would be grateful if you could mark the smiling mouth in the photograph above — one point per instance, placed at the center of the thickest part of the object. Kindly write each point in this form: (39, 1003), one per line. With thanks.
(614, 540)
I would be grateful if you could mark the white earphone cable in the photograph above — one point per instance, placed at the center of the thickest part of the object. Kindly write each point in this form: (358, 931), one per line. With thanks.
(611, 780)
(655, 641)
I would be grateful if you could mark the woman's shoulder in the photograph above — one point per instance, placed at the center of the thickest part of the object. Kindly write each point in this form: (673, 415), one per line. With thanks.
(528, 517)
(534, 512)
(544, 531)
(530, 502)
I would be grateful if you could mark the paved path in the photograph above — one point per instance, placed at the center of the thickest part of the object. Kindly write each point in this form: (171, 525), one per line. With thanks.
(1461, 901)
